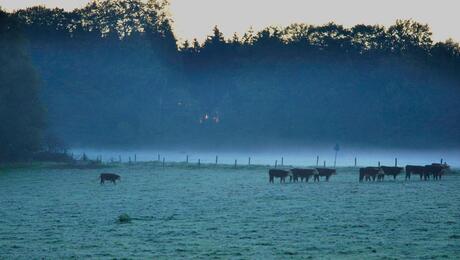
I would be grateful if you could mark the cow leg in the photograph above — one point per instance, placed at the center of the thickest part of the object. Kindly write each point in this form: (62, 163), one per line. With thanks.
(394, 176)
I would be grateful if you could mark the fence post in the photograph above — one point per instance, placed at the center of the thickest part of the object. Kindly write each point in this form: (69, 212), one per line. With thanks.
(163, 162)
(282, 161)
(276, 163)
(317, 160)
(186, 159)
(379, 163)
(199, 162)
(217, 158)
(324, 164)
(396, 162)
(158, 157)
(235, 163)
(355, 162)
(135, 157)
(249, 161)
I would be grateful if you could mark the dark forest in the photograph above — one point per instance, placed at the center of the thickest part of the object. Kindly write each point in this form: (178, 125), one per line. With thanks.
(112, 74)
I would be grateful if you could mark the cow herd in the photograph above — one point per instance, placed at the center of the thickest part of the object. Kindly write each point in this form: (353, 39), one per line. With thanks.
(434, 171)
(302, 174)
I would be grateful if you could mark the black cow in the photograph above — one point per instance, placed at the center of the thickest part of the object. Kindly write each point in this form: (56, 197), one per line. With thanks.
(395, 171)
(435, 169)
(414, 169)
(302, 174)
(109, 177)
(369, 172)
(326, 172)
(276, 173)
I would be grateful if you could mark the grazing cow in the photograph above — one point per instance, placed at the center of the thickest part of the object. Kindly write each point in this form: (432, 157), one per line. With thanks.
(435, 169)
(109, 177)
(326, 172)
(369, 172)
(395, 171)
(414, 169)
(302, 174)
(276, 173)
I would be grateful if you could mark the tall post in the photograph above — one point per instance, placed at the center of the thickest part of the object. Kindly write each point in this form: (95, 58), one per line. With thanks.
(324, 164)
(129, 160)
(235, 163)
(336, 149)
(282, 161)
(276, 163)
(335, 158)
(135, 157)
(119, 158)
(249, 161)
(379, 163)
(217, 158)
(355, 161)
(163, 162)
(317, 160)
(396, 162)
(441, 160)
(158, 157)
(199, 162)
(186, 159)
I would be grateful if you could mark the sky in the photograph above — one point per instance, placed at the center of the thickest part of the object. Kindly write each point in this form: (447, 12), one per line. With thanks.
(195, 18)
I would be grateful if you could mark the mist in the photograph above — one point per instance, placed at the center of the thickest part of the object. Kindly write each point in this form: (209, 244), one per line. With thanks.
(289, 156)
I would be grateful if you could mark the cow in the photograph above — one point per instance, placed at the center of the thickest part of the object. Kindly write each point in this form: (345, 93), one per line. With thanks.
(414, 169)
(369, 172)
(276, 173)
(435, 169)
(394, 171)
(303, 174)
(109, 177)
(326, 172)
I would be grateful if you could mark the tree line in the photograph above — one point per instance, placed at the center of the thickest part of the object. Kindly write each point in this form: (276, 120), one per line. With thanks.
(113, 74)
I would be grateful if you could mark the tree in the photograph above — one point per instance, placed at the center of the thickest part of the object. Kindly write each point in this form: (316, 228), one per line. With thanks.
(21, 112)
(409, 36)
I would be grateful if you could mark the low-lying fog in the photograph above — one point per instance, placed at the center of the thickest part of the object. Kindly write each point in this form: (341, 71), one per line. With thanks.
(298, 157)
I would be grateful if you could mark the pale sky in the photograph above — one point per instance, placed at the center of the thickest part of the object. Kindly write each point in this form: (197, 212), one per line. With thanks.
(195, 18)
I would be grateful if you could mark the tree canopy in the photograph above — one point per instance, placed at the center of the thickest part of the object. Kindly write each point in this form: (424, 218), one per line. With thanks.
(114, 75)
